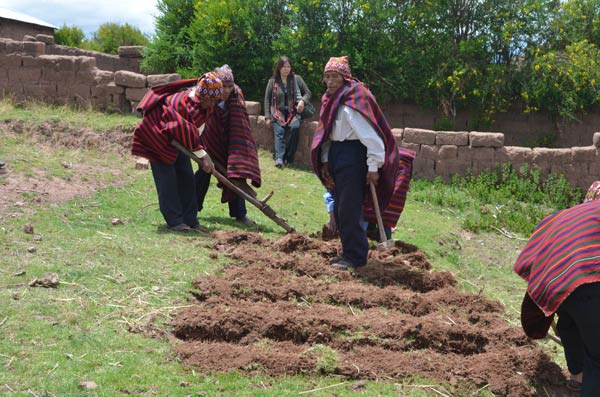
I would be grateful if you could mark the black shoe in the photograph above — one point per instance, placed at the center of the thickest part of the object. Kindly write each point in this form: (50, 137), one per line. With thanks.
(2, 164)
(279, 163)
(343, 264)
(182, 227)
(199, 228)
(335, 259)
(246, 221)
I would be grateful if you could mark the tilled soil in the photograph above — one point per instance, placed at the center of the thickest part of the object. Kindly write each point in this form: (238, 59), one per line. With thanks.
(279, 308)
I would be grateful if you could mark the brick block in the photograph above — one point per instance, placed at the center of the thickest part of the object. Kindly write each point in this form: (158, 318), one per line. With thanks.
(457, 138)
(417, 135)
(135, 94)
(11, 61)
(398, 133)
(156, 79)
(428, 152)
(253, 108)
(45, 38)
(585, 153)
(34, 48)
(486, 139)
(448, 152)
(130, 79)
(24, 74)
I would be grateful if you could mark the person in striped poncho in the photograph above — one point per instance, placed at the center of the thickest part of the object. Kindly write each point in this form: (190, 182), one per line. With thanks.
(175, 111)
(353, 145)
(228, 139)
(561, 264)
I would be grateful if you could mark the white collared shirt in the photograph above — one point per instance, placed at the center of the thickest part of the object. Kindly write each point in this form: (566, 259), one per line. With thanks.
(351, 125)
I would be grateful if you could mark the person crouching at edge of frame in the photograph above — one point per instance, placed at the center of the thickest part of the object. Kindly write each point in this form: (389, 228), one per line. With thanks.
(561, 267)
(227, 137)
(352, 146)
(175, 111)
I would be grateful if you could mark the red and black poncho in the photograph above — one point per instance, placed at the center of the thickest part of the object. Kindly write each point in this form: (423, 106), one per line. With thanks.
(562, 254)
(228, 139)
(396, 173)
(169, 113)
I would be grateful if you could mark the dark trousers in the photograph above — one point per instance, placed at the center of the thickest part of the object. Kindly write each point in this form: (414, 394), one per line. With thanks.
(176, 191)
(348, 167)
(582, 308)
(283, 151)
(237, 207)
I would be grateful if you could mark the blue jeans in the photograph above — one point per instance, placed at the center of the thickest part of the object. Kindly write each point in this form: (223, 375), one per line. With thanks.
(176, 192)
(581, 308)
(283, 151)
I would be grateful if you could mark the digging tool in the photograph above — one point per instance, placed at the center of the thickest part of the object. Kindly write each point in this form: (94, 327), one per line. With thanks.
(384, 243)
(247, 193)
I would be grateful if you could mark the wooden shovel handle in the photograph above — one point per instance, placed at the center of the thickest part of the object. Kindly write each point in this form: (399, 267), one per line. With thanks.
(382, 236)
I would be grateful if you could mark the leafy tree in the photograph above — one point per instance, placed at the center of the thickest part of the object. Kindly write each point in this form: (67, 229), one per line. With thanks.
(240, 33)
(110, 36)
(171, 49)
(71, 36)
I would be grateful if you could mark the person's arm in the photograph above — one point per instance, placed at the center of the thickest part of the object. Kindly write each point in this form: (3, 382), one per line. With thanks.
(368, 137)
(304, 90)
(267, 99)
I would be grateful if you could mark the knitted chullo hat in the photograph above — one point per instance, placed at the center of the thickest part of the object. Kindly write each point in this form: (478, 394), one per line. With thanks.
(339, 65)
(209, 87)
(225, 74)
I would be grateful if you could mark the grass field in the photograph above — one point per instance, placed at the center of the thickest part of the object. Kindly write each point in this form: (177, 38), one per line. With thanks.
(119, 281)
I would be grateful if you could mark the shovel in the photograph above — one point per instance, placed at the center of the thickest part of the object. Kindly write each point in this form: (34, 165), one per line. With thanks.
(247, 193)
(384, 243)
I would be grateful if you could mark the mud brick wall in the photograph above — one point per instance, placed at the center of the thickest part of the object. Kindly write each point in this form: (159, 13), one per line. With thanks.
(38, 69)
(446, 153)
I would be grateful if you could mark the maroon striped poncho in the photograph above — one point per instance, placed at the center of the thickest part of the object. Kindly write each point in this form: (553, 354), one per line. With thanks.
(562, 254)
(396, 173)
(169, 113)
(228, 139)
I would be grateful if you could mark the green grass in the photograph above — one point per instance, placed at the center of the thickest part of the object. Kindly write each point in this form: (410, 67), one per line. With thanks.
(118, 280)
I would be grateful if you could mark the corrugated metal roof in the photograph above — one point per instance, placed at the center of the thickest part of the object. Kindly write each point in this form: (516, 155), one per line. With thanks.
(19, 16)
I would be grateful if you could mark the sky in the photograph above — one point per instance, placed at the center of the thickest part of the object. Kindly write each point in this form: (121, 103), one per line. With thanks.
(88, 15)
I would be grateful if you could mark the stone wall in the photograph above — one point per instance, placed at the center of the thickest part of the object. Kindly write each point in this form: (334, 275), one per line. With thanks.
(446, 153)
(39, 69)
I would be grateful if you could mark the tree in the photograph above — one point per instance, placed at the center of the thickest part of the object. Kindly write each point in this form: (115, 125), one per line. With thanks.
(71, 36)
(110, 36)
(171, 49)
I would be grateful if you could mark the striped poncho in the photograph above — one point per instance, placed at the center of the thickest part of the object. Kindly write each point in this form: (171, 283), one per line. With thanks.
(228, 139)
(396, 173)
(169, 113)
(562, 254)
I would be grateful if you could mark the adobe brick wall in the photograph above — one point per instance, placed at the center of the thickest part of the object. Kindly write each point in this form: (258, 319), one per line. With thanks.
(38, 69)
(446, 153)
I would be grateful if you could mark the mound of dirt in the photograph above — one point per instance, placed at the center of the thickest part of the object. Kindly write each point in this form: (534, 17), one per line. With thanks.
(279, 308)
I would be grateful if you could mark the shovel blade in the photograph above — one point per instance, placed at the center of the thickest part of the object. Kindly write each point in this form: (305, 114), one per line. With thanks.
(386, 245)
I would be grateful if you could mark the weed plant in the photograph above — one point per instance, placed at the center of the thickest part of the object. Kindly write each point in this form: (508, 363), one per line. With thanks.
(501, 199)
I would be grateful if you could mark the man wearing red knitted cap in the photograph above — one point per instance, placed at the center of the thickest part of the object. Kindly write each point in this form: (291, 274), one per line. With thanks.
(175, 111)
(352, 146)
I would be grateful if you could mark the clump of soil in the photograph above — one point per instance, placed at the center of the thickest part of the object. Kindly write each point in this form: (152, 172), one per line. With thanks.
(279, 308)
